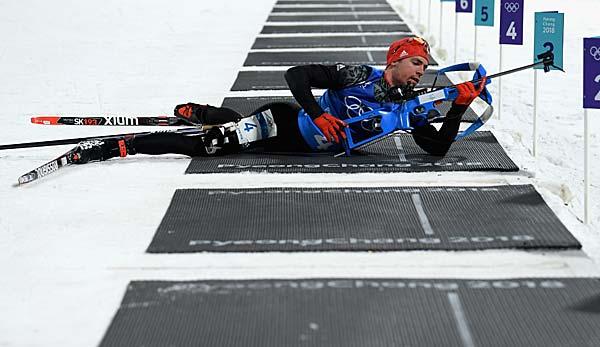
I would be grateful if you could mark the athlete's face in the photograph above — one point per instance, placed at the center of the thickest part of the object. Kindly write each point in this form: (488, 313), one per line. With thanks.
(406, 71)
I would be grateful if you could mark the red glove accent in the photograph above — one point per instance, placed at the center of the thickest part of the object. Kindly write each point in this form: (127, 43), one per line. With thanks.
(331, 127)
(467, 92)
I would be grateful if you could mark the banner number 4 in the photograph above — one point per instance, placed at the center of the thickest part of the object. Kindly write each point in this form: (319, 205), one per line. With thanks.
(597, 80)
(512, 31)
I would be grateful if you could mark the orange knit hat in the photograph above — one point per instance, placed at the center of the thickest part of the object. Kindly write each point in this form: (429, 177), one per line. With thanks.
(406, 48)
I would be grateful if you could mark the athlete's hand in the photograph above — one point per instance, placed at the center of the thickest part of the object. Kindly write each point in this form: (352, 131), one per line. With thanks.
(467, 92)
(331, 127)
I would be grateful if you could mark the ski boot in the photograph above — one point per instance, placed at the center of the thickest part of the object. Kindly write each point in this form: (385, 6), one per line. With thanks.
(221, 139)
(191, 113)
(101, 149)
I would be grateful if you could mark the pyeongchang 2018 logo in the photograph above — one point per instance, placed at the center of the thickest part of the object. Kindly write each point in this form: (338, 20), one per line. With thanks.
(511, 7)
(355, 107)
(354, 284)
(595, 53)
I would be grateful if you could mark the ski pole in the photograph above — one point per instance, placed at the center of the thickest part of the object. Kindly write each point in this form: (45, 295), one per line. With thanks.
(79, 139)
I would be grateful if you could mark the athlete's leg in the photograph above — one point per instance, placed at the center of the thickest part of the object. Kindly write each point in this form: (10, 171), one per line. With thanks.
(289, 138)
(191, 145)
(163, 143)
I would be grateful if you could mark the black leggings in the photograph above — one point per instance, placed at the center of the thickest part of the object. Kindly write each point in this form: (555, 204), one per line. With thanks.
(288, 137)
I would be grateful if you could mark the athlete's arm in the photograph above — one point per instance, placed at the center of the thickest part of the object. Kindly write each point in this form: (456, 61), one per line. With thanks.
(301, 79)
(438, 142)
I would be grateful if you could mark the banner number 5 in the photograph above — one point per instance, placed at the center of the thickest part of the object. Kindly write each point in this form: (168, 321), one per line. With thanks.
(484, 14)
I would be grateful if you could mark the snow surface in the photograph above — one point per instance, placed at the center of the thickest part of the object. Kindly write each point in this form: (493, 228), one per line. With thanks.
(72, 242)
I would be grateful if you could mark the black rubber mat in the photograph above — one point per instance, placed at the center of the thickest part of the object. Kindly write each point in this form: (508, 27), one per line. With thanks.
(356, 17)
(260, 80)
(338, 8)
(347, 312)
(302, 58)
(526, 312)
(359, 219)
(478, 152)
(247, 105)
(327, 41)
(370, 57)
(274, 80)
(346, 28)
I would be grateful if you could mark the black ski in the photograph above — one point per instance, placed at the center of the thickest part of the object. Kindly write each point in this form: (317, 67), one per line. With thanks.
(69, 157)
(109, 120)
(79, 139)
(48, 168)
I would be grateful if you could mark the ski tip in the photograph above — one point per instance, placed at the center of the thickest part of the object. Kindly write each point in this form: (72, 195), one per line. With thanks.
(24, 180)
(45, 120)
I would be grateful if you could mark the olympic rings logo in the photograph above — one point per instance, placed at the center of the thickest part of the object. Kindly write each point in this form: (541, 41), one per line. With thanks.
(511, 6)
(595, 52)
(354, 106)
